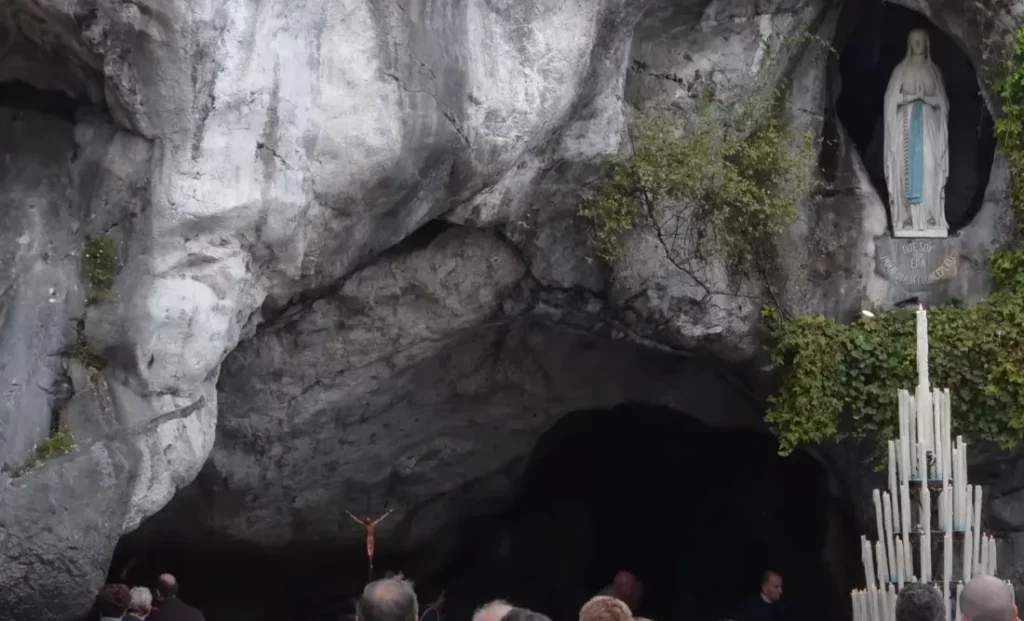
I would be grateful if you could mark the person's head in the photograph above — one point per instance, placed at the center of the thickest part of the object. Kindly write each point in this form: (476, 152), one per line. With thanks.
(919, 602)
(987, 598)
(627, 588)
(917, 42)
(524, 614)
(604, 608)
(390, 599)
(112, 601)
(166, 587)
(771, 585)
(141, 602)
(492, 611)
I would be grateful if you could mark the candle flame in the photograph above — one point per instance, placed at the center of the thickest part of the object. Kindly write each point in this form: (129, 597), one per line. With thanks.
(920, 307)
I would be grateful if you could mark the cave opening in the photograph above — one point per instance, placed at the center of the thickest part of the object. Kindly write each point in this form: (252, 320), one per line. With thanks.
(870, 46)
(697, 513)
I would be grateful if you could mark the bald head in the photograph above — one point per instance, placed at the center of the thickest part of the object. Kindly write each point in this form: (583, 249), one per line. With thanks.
(492, 611)
(987, 598)
(166, 586)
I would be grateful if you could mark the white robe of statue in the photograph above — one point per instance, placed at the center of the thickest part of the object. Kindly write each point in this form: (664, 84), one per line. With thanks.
(917, 143)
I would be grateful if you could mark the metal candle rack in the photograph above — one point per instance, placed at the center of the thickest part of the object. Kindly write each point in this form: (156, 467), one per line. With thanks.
(927, 481)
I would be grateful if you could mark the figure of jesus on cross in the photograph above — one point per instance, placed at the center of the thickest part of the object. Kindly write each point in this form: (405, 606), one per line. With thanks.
(371, 526)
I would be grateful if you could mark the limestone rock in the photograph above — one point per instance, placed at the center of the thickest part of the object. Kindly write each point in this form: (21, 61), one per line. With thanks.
(269, 175)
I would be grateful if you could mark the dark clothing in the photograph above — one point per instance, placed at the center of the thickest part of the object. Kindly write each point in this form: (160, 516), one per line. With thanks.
(756, 609)
(176, 610)
(131, 617)
(431, 614)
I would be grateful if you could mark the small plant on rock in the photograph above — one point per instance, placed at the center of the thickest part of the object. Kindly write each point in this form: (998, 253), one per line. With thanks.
(100, 264)
(59, 442)
(79, 350)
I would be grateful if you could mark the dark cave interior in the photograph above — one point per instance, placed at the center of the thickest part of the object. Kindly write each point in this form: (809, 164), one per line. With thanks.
(697, 513)
(870, 48)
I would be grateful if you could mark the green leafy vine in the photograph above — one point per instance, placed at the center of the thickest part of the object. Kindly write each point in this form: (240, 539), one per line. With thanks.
(690, 177)
(976, 351)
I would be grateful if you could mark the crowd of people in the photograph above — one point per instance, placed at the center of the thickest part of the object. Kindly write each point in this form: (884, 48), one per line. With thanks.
(118, 602)
(393, 598)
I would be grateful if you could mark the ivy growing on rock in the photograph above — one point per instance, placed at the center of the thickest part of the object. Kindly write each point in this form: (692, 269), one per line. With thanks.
(976, 351)
(723, 180)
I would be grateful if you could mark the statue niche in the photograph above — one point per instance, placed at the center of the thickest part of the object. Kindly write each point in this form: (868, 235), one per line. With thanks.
(917, 143)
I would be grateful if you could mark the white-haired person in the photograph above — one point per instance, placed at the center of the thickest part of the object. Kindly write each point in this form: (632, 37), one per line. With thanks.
(141, 604)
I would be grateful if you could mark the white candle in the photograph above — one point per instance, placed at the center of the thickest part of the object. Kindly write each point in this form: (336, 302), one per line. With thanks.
(924, 406)
(993, 565)
(943, 525)
(894, 489)
(968, 554)
(922, 465)
(873, 604)
(947, 495)
(983, 562)
(905, 501)
(958, 521)
(947, 438)
(945, 597)
(853, 605)
(869, 563)
(876, 497)
(976, 521)
(905, 441)
(959, 590)
(947, 563)
(892, 464)
(890, 548)
(901, 565)
(926, 538)
(922, 347)
(882, 569)
(903, 431)
(937, 447)
(965, 497)
(912, 439)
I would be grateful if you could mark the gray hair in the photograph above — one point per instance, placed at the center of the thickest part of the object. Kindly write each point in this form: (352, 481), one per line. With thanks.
(987, 598)
(499, 606)
(920, 602)
(524, 614)
(390, 599)
(142, 601)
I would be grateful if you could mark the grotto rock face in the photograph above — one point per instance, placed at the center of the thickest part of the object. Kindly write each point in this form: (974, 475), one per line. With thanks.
(358, 218)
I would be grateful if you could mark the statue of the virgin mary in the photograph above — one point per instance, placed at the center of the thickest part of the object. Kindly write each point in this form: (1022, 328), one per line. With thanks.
(917, 143)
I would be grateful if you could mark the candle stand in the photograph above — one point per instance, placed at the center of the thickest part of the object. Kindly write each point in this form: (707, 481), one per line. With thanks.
(928, 522)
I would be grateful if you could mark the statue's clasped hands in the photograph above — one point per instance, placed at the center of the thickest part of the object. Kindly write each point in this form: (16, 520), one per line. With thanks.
(930, 100)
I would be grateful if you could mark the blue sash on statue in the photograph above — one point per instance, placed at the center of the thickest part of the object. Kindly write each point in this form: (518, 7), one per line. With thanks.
(915, 153)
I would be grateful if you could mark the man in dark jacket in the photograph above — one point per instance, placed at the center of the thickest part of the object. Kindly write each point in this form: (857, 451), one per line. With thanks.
(765, 606)
(172, 608)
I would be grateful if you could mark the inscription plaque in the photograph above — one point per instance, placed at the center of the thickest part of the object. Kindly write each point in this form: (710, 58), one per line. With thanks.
(917, 263)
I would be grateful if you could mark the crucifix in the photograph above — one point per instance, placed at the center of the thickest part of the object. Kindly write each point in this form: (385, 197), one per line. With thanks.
(371, 526)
